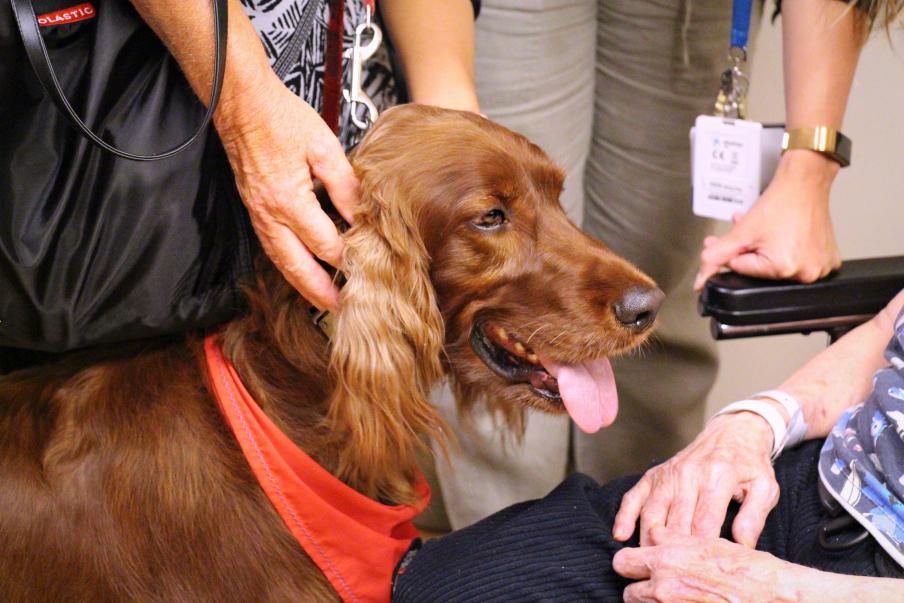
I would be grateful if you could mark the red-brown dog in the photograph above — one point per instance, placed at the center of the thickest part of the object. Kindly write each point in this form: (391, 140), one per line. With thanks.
(119, 477)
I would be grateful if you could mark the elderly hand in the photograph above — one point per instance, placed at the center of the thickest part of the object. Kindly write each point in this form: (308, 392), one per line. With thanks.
(689, 568)
(690, 493)
(276, 142)
(788, 233)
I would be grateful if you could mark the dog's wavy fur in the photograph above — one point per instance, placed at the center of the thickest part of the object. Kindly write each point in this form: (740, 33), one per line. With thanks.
(119, 480)
(388, 342)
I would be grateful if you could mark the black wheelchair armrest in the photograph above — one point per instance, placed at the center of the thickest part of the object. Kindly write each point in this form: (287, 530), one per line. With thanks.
(741, 306)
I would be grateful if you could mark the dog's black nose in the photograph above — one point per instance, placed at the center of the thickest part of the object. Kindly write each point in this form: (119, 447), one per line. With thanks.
(637, 309)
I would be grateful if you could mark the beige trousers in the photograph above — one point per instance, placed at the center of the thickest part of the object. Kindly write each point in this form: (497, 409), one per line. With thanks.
(609, 89)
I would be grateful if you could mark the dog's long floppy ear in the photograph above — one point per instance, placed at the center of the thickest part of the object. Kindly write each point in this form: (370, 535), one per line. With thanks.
(386, 347)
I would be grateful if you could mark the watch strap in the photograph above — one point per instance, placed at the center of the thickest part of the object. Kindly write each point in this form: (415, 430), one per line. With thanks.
(822, 139)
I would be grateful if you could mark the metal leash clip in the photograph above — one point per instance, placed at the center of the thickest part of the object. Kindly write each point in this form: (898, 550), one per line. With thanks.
(360, 54)
(325, 321)
(734, 83)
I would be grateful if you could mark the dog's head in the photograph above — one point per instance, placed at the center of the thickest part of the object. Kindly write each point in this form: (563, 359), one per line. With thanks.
(462, 258)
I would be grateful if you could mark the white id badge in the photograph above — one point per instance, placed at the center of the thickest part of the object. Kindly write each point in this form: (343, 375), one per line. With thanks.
(725, 165)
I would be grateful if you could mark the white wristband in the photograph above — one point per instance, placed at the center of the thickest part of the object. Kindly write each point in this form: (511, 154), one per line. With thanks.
(797, 425)
(769, 413)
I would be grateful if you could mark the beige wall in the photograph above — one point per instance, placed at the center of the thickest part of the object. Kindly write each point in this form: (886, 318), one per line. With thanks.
(867, 201)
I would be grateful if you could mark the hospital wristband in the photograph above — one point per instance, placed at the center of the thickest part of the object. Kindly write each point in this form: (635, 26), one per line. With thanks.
(797, 425)
(768, 412)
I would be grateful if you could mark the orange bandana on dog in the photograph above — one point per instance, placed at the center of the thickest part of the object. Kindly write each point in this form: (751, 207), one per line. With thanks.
(354, 540)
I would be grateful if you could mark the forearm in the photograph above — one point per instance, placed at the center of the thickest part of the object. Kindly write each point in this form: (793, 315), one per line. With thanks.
(435, 42)
(812, 586)
(187, 29)
(822, 40)
(841, 375)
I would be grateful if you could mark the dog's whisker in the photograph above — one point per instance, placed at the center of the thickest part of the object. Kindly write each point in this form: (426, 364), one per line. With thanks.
(553, 341)
(537, 330)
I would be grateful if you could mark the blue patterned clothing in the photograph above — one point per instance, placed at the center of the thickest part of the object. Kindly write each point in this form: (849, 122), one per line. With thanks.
(862, 461)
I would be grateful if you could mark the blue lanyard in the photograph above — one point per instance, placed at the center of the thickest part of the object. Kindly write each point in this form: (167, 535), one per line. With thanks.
(740, 22)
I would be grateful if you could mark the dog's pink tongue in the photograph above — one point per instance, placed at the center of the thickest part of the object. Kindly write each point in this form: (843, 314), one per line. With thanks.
(588, 391)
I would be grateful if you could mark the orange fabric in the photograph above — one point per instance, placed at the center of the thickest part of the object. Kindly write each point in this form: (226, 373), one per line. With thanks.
(354, 540)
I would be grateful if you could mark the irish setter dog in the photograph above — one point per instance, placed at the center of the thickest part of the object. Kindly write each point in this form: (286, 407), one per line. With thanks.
(118, 478)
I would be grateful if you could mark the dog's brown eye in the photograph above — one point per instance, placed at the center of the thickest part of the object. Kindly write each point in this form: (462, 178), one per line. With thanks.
(492, 219)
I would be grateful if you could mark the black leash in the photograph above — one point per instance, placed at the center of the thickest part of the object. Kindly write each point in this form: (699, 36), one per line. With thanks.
(36, 51)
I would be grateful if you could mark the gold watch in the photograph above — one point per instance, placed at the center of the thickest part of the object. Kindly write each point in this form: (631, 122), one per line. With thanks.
(822, 139)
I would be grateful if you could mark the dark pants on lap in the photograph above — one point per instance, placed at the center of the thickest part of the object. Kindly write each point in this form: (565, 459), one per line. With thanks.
(560, 548)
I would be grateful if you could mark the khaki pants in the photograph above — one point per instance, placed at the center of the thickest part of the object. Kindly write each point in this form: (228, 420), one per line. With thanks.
(609, 89)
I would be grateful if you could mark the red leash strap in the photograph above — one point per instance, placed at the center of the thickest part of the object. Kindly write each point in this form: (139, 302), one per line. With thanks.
(332, 77)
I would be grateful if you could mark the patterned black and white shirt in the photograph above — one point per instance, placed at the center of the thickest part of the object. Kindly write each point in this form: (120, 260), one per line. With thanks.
(297, 52)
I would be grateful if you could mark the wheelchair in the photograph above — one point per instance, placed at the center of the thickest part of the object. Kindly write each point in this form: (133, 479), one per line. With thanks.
(740, 306)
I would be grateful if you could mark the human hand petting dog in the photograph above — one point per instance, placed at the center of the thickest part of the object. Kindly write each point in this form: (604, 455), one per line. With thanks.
(677, 567)
(788, 232)
(275, 153)
(277, 144)
(689, 494)
(274, 140)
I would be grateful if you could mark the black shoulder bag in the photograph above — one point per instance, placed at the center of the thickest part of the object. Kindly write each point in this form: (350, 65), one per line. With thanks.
(99, 244)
